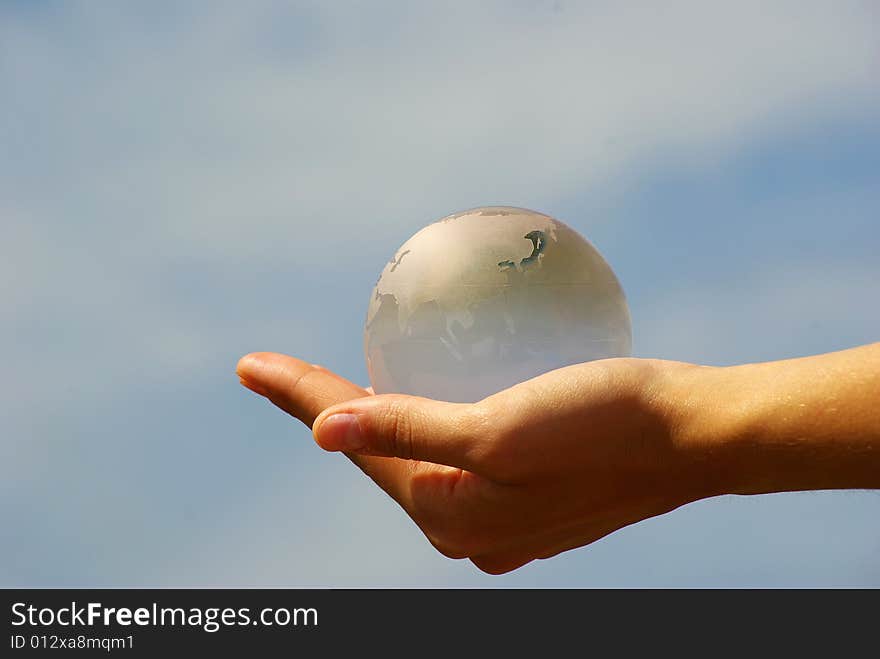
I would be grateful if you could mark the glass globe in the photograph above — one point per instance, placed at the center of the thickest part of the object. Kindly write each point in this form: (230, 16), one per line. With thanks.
(486, 298)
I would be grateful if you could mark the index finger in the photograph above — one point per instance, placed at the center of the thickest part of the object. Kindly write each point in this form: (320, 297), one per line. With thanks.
(304, 390)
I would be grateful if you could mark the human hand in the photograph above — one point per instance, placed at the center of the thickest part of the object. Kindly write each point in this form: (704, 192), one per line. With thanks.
(548, 465)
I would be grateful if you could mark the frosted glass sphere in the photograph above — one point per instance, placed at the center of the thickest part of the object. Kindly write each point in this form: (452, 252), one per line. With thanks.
(481, 300)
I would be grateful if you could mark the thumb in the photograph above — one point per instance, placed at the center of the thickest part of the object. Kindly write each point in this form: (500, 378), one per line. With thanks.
(408, 427)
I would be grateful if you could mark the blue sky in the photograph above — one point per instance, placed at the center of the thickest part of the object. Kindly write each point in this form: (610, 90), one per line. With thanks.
(182, 184)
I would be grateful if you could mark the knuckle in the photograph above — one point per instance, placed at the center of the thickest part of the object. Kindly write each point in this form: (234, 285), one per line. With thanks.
(298, 399)
(398, 431)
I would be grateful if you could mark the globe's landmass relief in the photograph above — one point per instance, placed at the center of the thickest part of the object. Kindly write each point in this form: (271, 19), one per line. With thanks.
(487, 298)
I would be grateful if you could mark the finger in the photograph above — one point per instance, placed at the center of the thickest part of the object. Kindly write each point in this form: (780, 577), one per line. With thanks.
(299, 388)
(551, 542)
(304, 391)
(544, 545)
(408, 427)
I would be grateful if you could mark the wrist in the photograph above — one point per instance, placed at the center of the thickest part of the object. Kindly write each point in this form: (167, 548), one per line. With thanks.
(711, 414)
(801, 424)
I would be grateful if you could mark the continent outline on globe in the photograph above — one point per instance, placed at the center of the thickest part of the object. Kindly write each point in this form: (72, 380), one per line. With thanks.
(485, 298)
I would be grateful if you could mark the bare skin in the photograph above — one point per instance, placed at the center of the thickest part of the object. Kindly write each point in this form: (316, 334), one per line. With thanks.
(568, 457)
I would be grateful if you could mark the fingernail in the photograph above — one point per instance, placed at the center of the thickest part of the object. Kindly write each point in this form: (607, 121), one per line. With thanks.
(249, 365)
(341, 432)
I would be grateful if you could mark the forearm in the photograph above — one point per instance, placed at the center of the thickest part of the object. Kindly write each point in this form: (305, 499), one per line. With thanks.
(802, 424)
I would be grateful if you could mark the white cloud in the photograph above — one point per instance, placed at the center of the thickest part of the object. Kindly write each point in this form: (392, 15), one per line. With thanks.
(230, 137)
